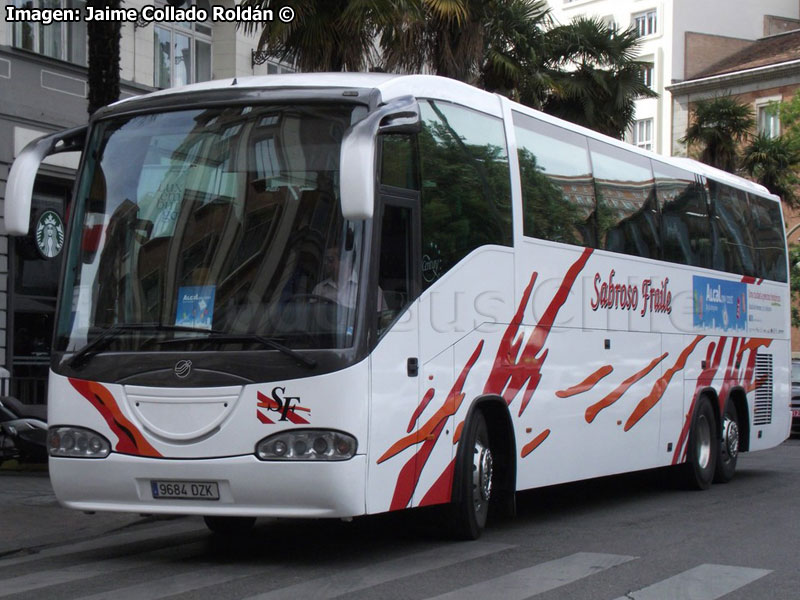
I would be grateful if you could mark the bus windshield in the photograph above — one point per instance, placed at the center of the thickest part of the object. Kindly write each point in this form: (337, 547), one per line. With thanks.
(192, 225)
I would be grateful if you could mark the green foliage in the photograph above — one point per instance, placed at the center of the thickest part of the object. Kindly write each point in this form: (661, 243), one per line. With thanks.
(325, 35)
(595, 75)
(719, 125)
(794, 282)
(585, 71)
(773, 163)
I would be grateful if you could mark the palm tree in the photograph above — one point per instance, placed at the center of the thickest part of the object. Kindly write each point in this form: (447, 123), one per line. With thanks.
(719, 126)
(772, 162)
(325, 35)
(596, 77)
(586, 71)
(445, 37)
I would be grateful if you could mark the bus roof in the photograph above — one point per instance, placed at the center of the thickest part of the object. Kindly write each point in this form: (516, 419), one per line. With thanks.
(391, 86)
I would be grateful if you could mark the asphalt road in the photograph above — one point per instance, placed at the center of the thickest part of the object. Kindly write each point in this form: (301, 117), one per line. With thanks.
(634, 536)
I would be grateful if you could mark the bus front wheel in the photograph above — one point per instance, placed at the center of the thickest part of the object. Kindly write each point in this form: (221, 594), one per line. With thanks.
(474, 486)
(703, 449)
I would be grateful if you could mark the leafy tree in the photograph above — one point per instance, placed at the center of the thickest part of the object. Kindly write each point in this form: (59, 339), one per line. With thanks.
(719, 126)
(794, 282)
(104, 39)
(773, 162)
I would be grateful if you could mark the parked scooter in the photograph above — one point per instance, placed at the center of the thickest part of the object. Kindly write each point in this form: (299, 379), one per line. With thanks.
(23, 431)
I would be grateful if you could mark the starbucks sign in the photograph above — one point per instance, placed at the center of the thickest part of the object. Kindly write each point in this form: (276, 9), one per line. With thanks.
(49, 234)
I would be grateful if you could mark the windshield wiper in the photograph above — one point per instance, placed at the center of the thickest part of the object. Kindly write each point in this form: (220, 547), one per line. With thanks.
(222, 336)
(102, 341)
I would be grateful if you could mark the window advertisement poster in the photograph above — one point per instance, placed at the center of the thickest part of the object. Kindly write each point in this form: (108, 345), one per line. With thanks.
(195, 306)
(719, 305)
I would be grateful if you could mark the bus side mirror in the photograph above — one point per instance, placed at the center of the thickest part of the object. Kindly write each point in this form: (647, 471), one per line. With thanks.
(19, 188)
(358, 176)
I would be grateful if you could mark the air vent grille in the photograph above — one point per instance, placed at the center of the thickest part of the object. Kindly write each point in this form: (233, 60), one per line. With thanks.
(762, 410)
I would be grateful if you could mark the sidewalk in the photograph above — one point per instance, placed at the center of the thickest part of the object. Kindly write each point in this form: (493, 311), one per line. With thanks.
(31, 518)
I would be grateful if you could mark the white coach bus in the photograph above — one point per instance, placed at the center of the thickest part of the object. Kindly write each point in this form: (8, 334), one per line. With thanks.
(337, 295)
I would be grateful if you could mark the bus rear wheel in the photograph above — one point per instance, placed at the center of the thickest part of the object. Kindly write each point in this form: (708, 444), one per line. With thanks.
(729, 445)
(229, 526)
(701, 457)
(470, 508)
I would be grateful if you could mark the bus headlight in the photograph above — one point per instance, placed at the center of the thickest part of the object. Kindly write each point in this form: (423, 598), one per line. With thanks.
(77, 442)
(307, 444)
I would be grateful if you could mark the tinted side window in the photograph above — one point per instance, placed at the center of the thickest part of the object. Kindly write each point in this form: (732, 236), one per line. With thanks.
(685, 226)
(735, 249)
(627, 217)
(466, 185)
(769, 238)
(557, 189)
(399, 162)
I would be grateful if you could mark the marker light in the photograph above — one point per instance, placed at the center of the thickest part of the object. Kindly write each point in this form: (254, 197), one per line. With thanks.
(76, 442)
(307, 444)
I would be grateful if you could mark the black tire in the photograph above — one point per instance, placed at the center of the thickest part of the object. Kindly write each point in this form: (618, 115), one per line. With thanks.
(728, 446)
(230, 526)
(703, 448)
(474, 483)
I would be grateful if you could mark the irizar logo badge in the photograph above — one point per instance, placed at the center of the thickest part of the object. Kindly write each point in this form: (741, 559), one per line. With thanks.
(183, 369)
(49, 234)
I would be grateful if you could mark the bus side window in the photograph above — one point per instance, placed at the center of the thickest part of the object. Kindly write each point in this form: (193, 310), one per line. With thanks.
(557, 190)
(735, 243)
(466, 185)
(627, 216)
(686, 229)
(395, 283)
(399, 162)
(768, 236)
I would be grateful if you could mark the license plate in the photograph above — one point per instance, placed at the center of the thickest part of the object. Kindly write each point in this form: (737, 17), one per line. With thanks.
(796, 413)
(185, 490)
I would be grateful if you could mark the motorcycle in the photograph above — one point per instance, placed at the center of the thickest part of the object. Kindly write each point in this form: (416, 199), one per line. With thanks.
(23, 431)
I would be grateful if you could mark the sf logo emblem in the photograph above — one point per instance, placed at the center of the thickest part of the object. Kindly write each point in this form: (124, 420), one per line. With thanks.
(285, 407)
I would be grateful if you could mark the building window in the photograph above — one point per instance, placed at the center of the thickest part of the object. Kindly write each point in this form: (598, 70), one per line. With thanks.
(63, 41)
(769, 123)
(182, 52)
(647, 75)
(646, 23)
(274, 68)
(609, 22)
(643, 134)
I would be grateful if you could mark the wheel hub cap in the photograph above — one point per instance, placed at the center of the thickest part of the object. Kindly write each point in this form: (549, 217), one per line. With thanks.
(482, 474)
(703, 443)
(731, 440)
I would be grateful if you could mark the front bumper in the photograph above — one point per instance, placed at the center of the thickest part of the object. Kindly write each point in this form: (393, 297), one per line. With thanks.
(247, 486)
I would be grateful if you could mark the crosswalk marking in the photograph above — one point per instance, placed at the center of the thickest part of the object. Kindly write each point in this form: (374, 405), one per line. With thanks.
(180, 583)
(165, 531)
(706, 582)
(44, 578)
(539, 578)
(383, 572)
